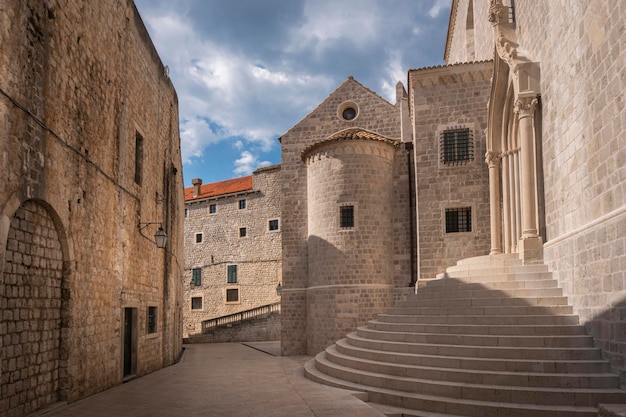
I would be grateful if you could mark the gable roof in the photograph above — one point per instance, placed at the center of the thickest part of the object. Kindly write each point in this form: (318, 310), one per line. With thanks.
(235, 185)
(349, 80)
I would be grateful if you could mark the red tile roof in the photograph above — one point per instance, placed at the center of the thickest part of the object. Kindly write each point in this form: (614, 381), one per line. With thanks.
(214, 189)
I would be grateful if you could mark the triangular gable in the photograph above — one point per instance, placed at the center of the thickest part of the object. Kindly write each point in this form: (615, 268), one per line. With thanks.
(349, 89)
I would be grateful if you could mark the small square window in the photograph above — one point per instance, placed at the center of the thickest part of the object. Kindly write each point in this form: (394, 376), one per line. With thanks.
(231, 274)
(152, 319)
(242, 204)
(196, 303)
(198, 237)
(459, 220)
(273, 225)
(242, 232)
(346, 216)
(196, 276)
(232, 295)
(212, 208)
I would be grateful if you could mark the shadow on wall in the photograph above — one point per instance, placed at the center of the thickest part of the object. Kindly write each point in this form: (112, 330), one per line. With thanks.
(609, 332)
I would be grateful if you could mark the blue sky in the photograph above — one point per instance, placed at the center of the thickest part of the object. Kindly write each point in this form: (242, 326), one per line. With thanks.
(246, 71)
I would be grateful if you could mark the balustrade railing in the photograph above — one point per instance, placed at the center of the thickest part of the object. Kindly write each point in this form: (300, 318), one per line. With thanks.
(240, 317)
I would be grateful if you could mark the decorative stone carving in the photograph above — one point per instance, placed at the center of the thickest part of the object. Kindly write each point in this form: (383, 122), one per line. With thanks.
(525, 106)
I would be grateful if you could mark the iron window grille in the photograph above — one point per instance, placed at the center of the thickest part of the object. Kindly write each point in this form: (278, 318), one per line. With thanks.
(273, 224)
(456, 146)
(346, 216)
(212, 208)
(458, 220)
(242, 204)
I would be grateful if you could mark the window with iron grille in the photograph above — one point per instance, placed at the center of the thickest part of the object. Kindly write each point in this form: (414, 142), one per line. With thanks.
(196, 303)
(458, 220)
(232, 295)
(456, 146)
(196, 276)
(231, 274)
(212, 208)
(242, 204)
(346, 216)
(152, 319)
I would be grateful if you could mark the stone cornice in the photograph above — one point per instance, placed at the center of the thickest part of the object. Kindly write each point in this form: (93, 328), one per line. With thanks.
(451, 74)
(353, 134)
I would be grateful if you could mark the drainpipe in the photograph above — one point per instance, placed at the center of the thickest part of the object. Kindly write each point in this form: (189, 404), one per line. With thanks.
(408, 146)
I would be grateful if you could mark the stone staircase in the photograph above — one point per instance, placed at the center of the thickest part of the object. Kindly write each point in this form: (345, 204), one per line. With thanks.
(490, 337)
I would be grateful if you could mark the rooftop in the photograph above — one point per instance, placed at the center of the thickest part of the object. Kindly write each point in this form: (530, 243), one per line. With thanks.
(235, 185)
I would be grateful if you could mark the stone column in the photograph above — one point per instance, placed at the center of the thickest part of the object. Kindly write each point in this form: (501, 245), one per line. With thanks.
(493, 161)
(530, 245)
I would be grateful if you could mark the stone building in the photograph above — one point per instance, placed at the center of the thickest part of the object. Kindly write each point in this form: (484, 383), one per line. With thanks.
(232, 246)
(521, 330)
(374, 198)
(556, 145)
(91, 167)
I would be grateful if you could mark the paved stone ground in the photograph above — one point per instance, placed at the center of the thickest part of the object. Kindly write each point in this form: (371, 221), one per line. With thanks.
(226, 380)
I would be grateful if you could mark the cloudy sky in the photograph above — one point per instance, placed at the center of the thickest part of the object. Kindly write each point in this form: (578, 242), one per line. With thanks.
(246, 71)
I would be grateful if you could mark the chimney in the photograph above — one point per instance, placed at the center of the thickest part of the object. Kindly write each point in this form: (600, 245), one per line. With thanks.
(197, 182)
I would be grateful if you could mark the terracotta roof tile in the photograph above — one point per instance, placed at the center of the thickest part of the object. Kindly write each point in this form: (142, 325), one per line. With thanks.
(215, 189)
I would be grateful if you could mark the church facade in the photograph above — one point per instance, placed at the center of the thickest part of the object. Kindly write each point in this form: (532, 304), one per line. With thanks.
(516, 145)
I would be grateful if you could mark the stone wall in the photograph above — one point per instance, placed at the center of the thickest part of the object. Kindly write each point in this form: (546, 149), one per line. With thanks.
(470, 36)
(580, 128)
(79, 84)
(581, 54)
(443, 98)
(258, 330)
(257, 255)
(299, 306)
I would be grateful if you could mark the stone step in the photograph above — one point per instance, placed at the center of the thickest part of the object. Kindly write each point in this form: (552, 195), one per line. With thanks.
(498, 259)
(472, 363)
(484, 301)
(493, 276)
(484, 352)
(537, 396)
(459, 293)
(548, 320)
(474, 376)
(421, 405)
(439, 285)
(484, 310)
(478, 339)
(472, 329)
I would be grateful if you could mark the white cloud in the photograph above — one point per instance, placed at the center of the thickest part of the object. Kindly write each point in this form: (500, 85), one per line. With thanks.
(394, 72)
(438, 7)
(248, 163)
(195, 135)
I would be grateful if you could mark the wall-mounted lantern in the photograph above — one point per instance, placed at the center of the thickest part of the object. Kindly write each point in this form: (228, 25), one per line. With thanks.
(160, 237)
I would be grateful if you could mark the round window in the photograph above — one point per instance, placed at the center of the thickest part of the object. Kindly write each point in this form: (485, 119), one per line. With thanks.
(349, 113)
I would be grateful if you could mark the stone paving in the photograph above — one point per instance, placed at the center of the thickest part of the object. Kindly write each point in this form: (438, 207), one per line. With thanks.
(224, 379)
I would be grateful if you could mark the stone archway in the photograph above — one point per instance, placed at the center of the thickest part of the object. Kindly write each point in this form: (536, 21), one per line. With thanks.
(33, 302)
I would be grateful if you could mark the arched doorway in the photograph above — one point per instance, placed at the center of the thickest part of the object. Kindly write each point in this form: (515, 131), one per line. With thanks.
(33, 302)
